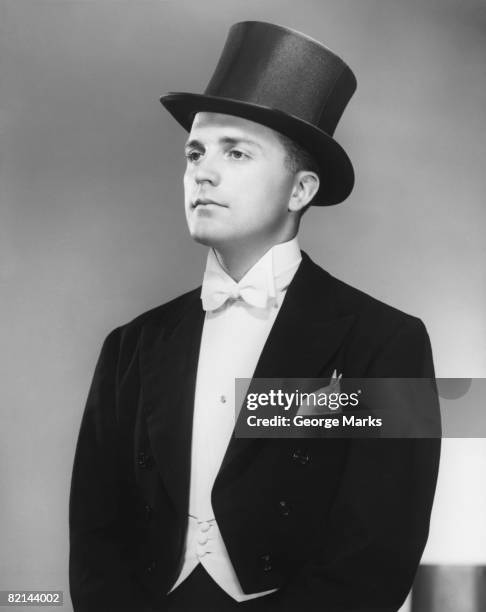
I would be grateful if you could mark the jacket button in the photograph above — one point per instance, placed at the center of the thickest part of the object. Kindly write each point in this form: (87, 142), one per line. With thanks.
(148, 511)
(151, 566)
(267, 566)
(284, 509)
(301, 457)
(145, 461)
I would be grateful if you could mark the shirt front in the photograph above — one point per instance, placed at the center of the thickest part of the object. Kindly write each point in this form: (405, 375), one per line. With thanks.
(232, 340)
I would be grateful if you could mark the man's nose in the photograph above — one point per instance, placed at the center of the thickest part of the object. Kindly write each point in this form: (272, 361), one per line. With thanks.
(207, 171)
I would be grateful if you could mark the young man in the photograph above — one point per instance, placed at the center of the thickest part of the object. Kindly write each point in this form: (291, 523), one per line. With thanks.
(168, 510)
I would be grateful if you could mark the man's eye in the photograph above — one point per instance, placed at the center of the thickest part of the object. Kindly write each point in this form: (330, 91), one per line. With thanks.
(237, 154)
(192, 155)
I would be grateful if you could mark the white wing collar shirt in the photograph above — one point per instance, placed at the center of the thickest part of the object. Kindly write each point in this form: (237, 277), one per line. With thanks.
(238, 320)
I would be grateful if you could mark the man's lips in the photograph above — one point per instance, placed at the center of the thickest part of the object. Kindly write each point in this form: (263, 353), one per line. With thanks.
(206, 202)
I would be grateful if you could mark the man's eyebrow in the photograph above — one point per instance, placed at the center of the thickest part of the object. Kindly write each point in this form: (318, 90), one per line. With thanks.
(193, 143)
(225, 140)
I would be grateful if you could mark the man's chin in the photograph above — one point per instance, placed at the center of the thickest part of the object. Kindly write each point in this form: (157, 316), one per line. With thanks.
(207, 239)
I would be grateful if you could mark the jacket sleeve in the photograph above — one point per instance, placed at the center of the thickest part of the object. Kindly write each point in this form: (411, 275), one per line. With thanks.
(99, 574)
(378, 526)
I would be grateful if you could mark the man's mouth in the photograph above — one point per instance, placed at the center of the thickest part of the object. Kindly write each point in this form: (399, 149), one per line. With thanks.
(206, 202)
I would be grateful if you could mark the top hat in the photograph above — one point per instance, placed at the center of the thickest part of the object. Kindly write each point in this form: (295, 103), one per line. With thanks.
(287, 81)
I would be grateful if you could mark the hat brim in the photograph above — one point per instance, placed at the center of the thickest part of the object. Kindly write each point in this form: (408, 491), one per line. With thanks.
(336, 169)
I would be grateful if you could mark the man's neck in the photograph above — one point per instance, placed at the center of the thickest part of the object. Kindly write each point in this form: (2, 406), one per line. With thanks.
(237, 262)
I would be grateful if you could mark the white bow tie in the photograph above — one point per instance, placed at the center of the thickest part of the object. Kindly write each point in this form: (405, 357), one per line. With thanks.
(216, 289)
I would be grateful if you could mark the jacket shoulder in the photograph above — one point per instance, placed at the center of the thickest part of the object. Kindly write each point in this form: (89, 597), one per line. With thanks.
(367, 306)
(164, 314)
(382, 337)
(351, 300)
(376, 322)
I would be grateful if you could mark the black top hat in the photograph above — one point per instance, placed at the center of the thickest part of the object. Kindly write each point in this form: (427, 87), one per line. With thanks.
(287, 81)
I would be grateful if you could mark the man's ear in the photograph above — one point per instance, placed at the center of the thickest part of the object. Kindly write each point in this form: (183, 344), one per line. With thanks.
(306, 185)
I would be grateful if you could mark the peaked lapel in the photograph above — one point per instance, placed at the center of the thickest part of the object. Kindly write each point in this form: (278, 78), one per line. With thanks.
(309, 329)
(168, 358)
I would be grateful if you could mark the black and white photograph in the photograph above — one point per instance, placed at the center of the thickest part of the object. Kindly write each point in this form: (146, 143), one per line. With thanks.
(242, 273)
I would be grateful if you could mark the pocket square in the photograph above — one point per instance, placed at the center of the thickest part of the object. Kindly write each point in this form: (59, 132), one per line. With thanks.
(310, 407)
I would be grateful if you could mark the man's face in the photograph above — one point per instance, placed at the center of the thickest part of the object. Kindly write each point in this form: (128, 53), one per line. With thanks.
(240, 166)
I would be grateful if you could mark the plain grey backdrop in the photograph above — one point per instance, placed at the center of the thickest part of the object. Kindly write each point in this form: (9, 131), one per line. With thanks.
(92, 229)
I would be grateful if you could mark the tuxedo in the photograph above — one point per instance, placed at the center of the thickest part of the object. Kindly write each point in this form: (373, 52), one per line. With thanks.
(337, 525)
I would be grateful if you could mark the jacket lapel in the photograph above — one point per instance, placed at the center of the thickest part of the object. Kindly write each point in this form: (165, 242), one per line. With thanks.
(309, 328)
(169, 355)
(308, 331)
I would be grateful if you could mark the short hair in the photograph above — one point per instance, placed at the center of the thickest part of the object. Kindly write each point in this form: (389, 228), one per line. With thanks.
(297, 158)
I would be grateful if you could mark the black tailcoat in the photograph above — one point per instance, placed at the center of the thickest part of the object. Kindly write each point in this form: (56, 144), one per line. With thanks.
(356, 510)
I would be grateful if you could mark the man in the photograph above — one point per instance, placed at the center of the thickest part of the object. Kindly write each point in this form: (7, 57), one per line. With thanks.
(168, 510)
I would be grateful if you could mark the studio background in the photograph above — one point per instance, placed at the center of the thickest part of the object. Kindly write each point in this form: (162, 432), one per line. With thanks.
(92, 228)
